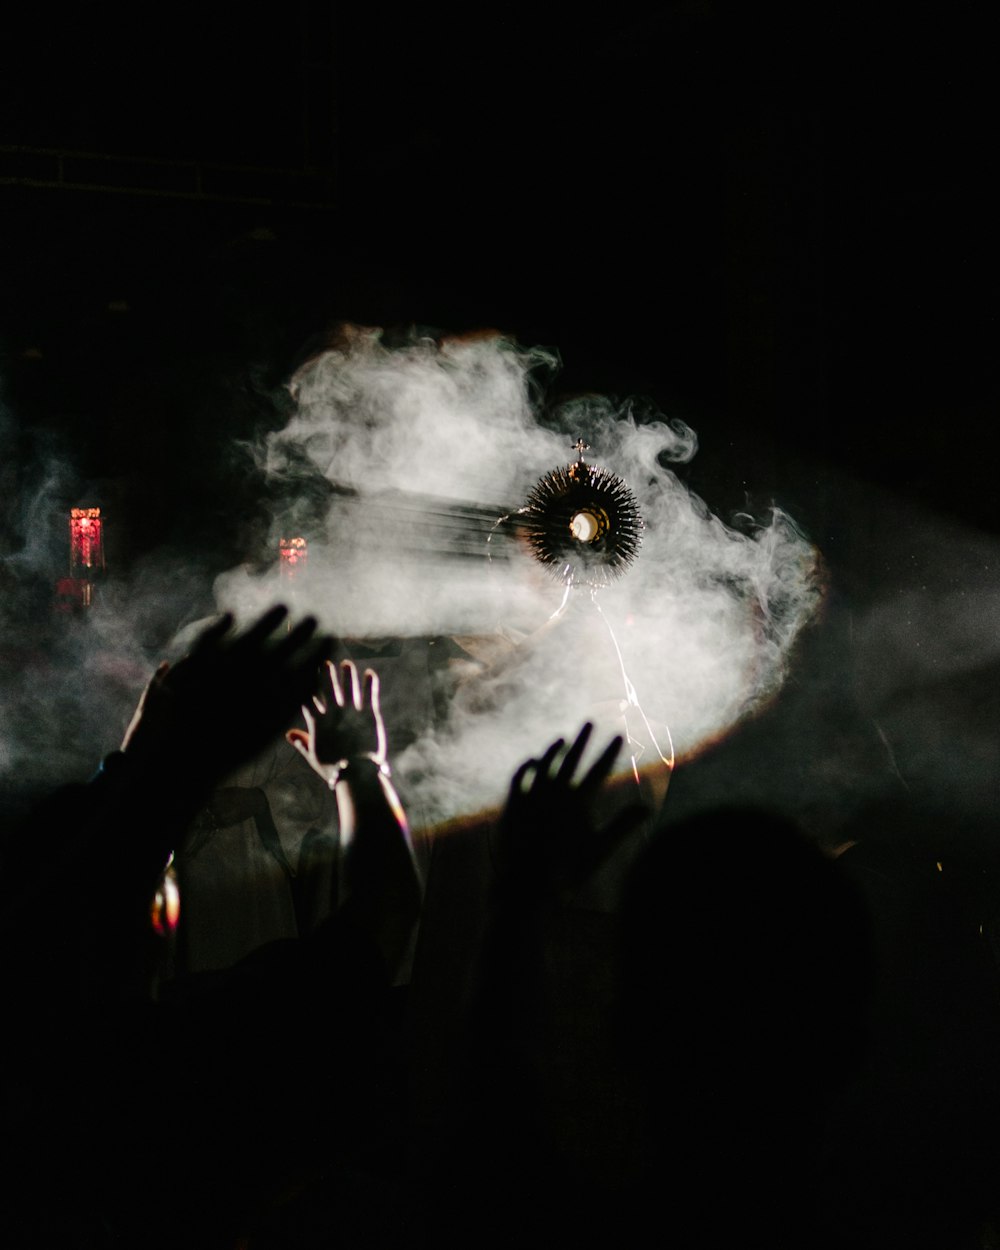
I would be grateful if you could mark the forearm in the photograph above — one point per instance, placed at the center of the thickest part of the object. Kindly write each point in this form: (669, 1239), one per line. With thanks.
(379, 886)
(367, 801)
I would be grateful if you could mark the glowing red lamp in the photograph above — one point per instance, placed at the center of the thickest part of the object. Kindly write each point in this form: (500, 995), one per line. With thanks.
(86, 542)
(86, 560)
(293, 556)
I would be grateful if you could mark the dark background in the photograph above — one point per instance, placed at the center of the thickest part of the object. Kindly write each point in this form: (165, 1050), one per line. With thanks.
(778, 222)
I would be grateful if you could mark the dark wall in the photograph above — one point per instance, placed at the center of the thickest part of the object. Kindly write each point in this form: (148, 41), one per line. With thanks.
(778, 224)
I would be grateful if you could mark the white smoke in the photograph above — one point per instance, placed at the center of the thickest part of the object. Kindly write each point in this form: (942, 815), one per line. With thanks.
(69, 681)
(423, 447)
(396, 464)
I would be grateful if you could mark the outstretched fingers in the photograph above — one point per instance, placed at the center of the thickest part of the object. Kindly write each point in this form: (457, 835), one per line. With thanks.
(372, 697)
(295, 736)
(213, 634)
(335, 688)
(602, 768)
(351, 684)
(286, 650)
(572, 757)
(252, 640)
(549, 758)
(521, 782)
(373, 691)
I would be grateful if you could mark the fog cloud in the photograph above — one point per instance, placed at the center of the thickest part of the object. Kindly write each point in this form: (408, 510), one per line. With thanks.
(422, 448)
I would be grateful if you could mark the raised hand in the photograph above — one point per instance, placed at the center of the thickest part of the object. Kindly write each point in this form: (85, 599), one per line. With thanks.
(550, 836)
(225, 701)
(378, 882)
(344, 723)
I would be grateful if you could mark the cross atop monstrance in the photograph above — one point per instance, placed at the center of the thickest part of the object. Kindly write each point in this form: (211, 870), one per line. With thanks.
(580, 447)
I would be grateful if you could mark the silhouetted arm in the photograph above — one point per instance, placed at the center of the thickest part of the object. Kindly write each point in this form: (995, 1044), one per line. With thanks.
(379, 886)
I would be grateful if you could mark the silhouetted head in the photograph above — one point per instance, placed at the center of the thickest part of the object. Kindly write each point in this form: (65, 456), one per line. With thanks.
(745, 968)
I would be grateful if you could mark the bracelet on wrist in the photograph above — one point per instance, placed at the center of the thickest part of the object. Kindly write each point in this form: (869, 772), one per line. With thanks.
(342, 770)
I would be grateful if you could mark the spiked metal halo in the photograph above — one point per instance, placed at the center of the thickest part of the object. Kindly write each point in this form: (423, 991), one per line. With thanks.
(582, 523)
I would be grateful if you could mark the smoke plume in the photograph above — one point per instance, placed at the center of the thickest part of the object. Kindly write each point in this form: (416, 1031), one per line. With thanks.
(396, 466)
(396, 463)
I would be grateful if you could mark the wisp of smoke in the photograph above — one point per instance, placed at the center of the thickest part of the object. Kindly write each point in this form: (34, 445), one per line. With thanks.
(396, 464)
(68, 680)
(419, 449)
